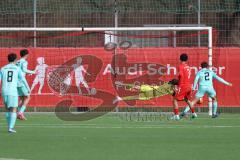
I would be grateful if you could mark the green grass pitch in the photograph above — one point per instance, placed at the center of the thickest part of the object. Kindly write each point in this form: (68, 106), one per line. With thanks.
(44, 137)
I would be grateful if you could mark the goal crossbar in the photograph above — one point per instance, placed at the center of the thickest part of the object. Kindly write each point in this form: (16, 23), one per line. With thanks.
(39, 29)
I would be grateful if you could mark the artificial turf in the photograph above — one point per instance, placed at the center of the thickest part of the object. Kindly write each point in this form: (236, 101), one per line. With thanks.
(45, 137)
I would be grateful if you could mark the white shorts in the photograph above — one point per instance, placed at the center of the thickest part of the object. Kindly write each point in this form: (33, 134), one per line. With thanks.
(38, 79)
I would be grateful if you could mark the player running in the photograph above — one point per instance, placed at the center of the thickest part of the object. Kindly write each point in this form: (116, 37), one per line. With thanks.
(23, 90)
(205, 80)
(147, 92)
(10, 75)
(184, 87)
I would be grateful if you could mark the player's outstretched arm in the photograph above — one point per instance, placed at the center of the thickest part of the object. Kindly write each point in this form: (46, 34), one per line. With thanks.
(84, 70)
(222, 80)
(129, 86)
(25, 69)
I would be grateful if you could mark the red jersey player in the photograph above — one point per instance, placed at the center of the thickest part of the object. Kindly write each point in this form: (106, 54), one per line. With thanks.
(184, 87)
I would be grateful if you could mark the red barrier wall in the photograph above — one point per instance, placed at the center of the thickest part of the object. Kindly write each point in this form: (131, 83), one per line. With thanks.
(225, 60)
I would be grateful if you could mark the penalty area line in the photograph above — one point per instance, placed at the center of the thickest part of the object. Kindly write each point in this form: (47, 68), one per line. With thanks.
(11, 159)
(124, 127)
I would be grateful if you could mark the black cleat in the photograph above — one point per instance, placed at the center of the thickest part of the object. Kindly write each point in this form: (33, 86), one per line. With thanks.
(214, 115)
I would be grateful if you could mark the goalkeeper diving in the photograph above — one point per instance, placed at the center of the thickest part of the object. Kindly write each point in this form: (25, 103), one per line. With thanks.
(147, 92)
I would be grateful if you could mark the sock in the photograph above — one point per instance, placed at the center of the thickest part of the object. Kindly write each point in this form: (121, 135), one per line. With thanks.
(7, 115)
(13, 117)
(193, 110)
(186, 109)
(176, 112)
(22, 109)
(215, 106)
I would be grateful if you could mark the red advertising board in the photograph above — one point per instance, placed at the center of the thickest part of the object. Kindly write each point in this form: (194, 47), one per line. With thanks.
(101, 67)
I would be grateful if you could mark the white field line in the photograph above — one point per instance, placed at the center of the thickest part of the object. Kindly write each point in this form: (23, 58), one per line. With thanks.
(11, 159)
(125, 127)
(91, 125)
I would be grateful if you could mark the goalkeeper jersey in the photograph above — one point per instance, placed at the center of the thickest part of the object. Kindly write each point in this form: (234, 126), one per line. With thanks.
(156, 91)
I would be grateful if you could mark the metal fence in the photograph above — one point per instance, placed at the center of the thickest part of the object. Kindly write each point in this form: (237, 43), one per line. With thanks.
(223, 15)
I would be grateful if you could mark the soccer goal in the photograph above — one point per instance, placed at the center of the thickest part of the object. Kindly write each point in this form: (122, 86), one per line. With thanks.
(140, 45)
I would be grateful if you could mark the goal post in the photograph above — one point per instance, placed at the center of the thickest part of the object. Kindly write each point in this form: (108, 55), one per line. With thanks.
(116, 30)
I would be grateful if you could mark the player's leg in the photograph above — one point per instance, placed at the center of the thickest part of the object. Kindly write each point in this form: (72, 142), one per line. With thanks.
(185, 111)
(189, 103)
(215, 107)
(77, 82)
(179, 96)
(35, 82)
(7, 114)
(200, 93)
(11, 104)
(191, 106)
(22, 109)
(212, 93)
(41, 82)
(20, 103)
(175, 109)
(25, 96)
(12, 121)
(86, 86)
(127, 98)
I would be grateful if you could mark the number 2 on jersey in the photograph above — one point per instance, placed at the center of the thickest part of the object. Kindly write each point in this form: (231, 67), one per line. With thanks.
(206, 76)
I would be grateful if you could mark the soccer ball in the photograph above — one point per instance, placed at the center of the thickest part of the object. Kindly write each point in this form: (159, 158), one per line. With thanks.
(93, 91)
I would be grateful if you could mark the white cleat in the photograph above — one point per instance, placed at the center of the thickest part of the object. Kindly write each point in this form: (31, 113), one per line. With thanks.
(117, 99)
(11, 130)
(194, 115)
(175, 117)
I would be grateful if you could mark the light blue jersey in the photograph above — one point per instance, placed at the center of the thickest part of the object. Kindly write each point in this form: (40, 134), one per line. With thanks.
(23, 65)
(10, 76)
(205, 80)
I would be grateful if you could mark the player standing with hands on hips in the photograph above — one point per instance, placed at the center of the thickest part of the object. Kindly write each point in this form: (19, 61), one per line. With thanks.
(23, 90)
